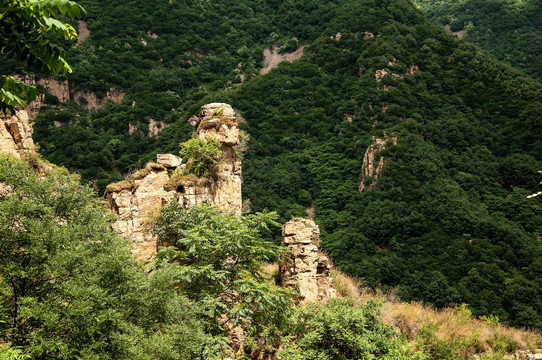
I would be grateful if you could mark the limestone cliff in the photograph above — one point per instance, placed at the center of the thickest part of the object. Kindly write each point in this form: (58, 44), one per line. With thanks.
(305, 269)
(136, 199)
(372, 168)
(61, 90)
(16, 134)
(55, 86)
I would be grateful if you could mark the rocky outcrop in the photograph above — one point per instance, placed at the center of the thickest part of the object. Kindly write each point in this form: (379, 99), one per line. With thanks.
(54, 86)
(460, 34)
(61, 90)
(82, 32)
(305, 269)
(372, 167)
(138, 198)
(90, 101)
(16, 134)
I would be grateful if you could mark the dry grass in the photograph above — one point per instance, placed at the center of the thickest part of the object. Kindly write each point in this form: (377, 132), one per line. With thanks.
(270, 271)
(426, 327)
(468, 335)
(121, 185)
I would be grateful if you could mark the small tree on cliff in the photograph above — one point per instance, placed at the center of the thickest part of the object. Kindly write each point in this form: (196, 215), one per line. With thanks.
(204, 156)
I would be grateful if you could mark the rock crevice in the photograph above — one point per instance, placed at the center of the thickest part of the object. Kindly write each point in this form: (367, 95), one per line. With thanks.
(373, 164)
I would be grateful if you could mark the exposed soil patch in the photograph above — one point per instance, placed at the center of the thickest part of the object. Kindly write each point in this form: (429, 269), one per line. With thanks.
(273, 58)
(459, 33)
(82, 32)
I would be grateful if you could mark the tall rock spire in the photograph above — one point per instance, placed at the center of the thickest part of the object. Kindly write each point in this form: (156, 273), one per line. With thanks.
(139, 197)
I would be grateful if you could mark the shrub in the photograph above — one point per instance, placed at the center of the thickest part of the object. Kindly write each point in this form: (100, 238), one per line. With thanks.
(204, 156)
(340, 330)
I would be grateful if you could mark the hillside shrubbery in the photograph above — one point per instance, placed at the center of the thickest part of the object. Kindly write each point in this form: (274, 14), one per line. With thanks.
(509, 29)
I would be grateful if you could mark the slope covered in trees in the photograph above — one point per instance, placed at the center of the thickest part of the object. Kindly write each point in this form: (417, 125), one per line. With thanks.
(509, 29)
(448, 222)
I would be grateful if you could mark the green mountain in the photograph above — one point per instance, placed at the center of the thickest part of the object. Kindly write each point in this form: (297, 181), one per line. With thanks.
(447, 221)
(509, 29)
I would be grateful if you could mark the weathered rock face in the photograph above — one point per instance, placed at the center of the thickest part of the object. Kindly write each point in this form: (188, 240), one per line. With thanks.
(138, 198)
(226, 188)
(305, 269)
(16, 134)
(89, 101)
(272, 57)
(61, 90)
(54, 86)
(371, 169)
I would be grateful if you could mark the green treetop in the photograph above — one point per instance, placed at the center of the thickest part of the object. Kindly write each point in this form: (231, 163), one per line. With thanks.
(28, 33)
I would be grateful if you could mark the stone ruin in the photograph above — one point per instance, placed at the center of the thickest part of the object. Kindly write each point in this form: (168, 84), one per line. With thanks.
(138, 198)
(305, 269)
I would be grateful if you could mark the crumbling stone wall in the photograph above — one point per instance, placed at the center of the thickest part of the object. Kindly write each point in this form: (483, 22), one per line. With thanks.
(305, 269)
(138, 198)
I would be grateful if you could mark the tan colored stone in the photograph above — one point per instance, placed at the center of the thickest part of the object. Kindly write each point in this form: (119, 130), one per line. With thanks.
(168, 160)
(89, 100)
(16, 134)
(54, 86)
(82, 31)
(305, 270)
(272, 57)
(5, 189)
(137, 200)
(370, 169)
(155, 127)
(215, 109)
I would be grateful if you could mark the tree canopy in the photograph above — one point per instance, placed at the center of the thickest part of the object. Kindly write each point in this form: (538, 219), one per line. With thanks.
(30, 32)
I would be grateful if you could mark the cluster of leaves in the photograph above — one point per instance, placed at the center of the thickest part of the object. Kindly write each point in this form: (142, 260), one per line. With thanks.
(204, 156)
(219, 258)
(509, 29)
(27, 30)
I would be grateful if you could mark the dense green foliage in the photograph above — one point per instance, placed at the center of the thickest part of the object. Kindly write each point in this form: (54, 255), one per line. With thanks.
(205, 156)
(339, 330)
(448, 222)
(28, 30)
(220, 258)
(509, 29)
(201, 47)
(71, 288)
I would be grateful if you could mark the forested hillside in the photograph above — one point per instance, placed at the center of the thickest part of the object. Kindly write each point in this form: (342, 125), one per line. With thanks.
(448, 221)
(510, 29)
